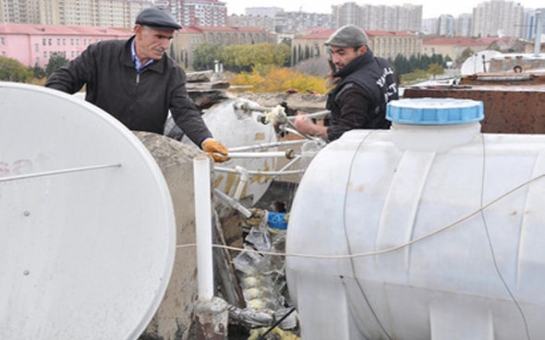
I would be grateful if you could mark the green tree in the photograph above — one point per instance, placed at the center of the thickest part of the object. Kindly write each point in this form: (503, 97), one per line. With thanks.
(401, 64)
(244, 58)
(435, 69)
(38, 72)
(494, 46)
(55, 62)
(205, 55)
(468, 52)
(12, 70)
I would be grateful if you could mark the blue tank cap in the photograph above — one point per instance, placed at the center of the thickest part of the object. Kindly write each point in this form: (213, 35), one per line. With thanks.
(435, 111)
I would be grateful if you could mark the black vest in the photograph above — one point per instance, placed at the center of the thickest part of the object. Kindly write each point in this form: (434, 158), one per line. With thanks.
(377, 77)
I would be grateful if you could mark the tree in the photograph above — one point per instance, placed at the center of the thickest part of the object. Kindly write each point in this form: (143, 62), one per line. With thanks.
(468, 52)
(435, 69)
(205, 55)
(494, 46)
(55, 62)
(12, 70)
(244, 58)
(38, 72)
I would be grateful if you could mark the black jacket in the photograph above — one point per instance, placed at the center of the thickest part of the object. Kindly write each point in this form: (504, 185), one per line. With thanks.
(140, 101)
(359, 99)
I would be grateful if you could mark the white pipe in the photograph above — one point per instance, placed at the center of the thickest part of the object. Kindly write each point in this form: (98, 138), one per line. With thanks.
(203, 226)
(267, 145)
(244, 178)
(233, 203)
(262, 173)
(316, 115)
(266, 154)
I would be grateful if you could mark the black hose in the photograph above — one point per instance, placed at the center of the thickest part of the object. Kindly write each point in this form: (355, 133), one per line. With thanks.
(262, 336)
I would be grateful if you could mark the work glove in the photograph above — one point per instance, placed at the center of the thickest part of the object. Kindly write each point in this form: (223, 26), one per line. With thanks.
(213, 148)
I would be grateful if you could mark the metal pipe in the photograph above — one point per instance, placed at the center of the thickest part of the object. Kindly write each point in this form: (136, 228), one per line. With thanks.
(539, 26)
(289, 154)
(233, 203)
(58, 172)
(313, 115)
(505, 78)
(267, 145)
(289, 165)
(261, 173)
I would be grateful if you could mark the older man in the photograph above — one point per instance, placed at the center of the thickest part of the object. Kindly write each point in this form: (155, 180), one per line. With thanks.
(135, 81)
(364, 85)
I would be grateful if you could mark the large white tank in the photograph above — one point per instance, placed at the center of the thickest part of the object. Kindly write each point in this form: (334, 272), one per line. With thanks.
(431, 231)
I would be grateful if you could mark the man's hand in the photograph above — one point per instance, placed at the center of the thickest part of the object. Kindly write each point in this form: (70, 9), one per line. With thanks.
(306, 126)
(213, 148)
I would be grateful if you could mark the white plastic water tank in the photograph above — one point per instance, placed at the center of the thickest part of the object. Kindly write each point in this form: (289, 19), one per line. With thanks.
(430, 230)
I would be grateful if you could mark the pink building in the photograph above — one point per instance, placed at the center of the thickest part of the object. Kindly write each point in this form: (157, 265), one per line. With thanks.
(33, 44)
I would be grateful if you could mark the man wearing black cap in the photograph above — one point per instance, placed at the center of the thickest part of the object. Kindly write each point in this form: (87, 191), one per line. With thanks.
(364, 85)
(137, 82)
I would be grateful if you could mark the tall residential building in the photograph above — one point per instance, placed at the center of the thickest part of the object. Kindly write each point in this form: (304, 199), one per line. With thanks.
(529, 27)
(389, 18)
(196, 12)
(265, 22)
(497, 18)
(296, 22)
(107, 13)
(283, 22)
(463, 24)
(263, 11)
(445, 25)
(429, 26)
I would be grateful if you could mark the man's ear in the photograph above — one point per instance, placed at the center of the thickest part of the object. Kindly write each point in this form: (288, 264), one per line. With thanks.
(362, 49)
(138, 29)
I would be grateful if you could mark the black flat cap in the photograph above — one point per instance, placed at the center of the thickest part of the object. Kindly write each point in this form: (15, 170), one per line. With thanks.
(157, 18)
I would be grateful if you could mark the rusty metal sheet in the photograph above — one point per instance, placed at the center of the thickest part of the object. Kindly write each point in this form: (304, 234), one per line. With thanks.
(507, 109)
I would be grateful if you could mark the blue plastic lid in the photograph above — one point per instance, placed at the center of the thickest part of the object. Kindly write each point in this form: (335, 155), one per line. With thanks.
(435, 111)
(277, 220)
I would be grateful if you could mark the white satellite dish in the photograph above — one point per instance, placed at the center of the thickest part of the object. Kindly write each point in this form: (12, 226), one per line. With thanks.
(87, 231)
(478, 62)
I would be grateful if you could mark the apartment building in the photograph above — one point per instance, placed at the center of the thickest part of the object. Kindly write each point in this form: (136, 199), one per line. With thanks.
(196, 12)
(265, 22)
(463, 25)
(388, 18)
(106, 13)
(34, 44)
(446, 25)
(497, 18)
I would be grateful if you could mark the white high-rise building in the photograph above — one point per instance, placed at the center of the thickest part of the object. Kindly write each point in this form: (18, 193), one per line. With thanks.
(463, 24)
(497, 18)
(370, 17)
(445, 25)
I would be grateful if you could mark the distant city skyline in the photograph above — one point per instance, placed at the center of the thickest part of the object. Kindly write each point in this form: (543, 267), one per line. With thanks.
(430, 8)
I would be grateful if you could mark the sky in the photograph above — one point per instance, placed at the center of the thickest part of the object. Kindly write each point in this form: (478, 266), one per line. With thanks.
(430, 8)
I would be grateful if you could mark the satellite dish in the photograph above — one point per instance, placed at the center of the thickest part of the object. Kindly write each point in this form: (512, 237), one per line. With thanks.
(87, 231)
(478, 63)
